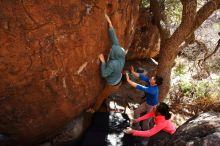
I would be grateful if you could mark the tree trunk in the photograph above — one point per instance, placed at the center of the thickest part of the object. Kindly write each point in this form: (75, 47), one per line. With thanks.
(190, 22)
(159, 15)
(169, 49)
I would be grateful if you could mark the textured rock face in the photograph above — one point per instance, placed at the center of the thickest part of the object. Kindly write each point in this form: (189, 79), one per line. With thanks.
(146, 42)
(49, 63)
(202, 130)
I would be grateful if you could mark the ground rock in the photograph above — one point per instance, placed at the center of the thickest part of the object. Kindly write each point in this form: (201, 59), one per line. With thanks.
(201, 130)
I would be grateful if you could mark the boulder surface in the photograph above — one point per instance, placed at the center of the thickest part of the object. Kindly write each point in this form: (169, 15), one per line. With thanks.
(50, 72)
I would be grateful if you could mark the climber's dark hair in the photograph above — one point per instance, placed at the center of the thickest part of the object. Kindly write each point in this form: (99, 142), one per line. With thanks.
(159, 80)
(164, 109)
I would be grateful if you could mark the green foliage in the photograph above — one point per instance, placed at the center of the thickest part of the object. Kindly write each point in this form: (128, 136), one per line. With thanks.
(218, 88)
(218, 82)
(190, 98)
(197, 90)
(180, 69)
(186, 88)
(203, 89)
(173, 11)
(216, 26)
(145, 3)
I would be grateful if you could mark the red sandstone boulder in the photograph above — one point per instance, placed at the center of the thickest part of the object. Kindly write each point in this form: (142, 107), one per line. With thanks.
(49, 65)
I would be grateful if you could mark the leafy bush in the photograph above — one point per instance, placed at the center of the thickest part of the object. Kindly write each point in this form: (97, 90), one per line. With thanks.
(186, 88)
(203, 89)
(218, 81)
(145, 3)
(180, 69)
(189, 98)
(196, 90)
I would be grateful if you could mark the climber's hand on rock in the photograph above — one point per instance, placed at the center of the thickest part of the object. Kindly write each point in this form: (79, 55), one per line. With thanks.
(132, 69)
(101, 58)
(128, 130)
(127, 77)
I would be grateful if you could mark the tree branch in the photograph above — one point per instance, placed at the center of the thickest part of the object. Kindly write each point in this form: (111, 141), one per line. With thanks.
(205, 12)
(158, 15)
(200, 17)
(191, 20)
(215, 50)
(168, 51)
(187, 23)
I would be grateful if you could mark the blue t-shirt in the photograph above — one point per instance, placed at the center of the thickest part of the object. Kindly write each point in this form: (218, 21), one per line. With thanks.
(151, 92)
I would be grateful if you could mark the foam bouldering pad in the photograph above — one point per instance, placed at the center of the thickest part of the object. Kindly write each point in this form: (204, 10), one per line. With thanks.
(107, 130)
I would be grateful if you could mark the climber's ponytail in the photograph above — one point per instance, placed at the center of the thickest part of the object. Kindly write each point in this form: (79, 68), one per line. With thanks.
(164, 109)
(167, 116)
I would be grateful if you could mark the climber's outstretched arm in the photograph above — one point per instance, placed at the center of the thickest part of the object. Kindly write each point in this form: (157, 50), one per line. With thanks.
(108, 20)
(133, 84)
(134, 73)
(112, 31)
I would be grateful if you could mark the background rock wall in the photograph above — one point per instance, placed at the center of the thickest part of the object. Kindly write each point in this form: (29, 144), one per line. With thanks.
(202, 130)
(146, 42)
(49, 67)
